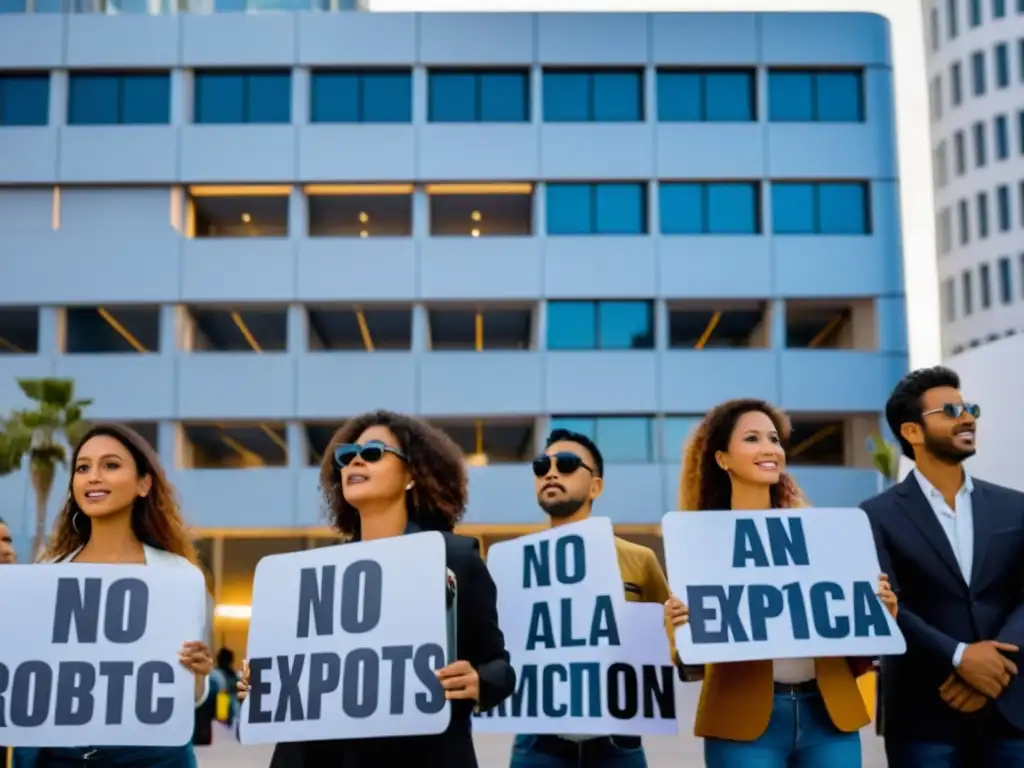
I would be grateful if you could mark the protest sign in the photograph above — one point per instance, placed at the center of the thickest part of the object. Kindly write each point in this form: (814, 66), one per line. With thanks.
(586, 661)
(89, 654)
(344, 642)
(777, 584)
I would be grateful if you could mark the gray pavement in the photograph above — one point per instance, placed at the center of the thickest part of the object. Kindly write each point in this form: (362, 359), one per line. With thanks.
(683, 751)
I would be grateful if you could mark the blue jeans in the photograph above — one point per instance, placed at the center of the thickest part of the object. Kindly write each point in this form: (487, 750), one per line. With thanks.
(555, 752)
(986, 753)
(106, 757)
(800, 734)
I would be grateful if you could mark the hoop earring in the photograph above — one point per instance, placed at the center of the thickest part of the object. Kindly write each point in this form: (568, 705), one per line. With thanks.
(74, 522)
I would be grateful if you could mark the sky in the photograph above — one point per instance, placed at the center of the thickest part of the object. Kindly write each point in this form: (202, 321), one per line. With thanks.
(910, 86)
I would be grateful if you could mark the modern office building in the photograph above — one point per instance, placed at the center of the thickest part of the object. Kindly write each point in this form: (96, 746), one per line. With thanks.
(975, 52)
(236, 230)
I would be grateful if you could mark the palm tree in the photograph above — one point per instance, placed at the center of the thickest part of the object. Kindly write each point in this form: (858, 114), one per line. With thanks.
(43, 433)
(885, 456)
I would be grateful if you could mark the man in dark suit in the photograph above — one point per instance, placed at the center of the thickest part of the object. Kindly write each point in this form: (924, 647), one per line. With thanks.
(953, 547)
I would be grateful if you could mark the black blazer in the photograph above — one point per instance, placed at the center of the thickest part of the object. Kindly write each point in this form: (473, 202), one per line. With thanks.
(938, 610)
(479, 641)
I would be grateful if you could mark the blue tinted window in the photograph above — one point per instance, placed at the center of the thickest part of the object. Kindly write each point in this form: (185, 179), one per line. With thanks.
(489, 97)
(600, 96)
(951, 19)
(959, 154)
(811, 96)
(985, 284)
(706, 96)
(982, 205)
(676, 430)
(596, 209)
(361, 97)
(975, 13)
(1003, 207)
(625, 325)
(624, 439)
(980, 154)
(978, 72)
(24, 99)
(584, 425)
(1005, 280)
(727, 208)
(600, 325)
(111, 99)
(243, 97)
(1002, 66)
(968, 292)
(1002, 132)
(998, 9)
(955, 87)
(963, 221)
(831, 208)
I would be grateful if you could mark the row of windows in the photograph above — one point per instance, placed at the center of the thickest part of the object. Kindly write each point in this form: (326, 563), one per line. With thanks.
(979, 294)
(454, 96)
(608, 324)
(1002, 146)
(984, 204)
(973, 12)
(979, 81)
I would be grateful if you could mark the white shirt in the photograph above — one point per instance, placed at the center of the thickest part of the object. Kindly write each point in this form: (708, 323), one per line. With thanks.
(958, 525)
(159, 557)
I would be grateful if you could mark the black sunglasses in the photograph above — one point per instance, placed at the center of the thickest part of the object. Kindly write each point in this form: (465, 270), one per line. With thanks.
(371, 453)
(566, 463)
(956, 410)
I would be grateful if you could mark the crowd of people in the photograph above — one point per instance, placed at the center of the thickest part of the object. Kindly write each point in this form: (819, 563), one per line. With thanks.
(950, 546)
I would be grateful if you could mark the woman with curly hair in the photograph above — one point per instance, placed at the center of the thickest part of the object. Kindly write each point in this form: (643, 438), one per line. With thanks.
(383, 475)
(802, 713)
(122, 509)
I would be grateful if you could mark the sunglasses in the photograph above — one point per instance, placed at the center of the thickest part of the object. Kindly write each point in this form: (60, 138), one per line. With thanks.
(371, 453)
(566, 463)
(956, 410)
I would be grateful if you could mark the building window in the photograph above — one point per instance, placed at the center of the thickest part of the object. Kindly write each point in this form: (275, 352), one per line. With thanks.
(941, 164)
(1002, 66)
(934, 26)
(480, 329)
(985, 281)
(824, 208)
(371, 210)
(998, 9)
(478, 97)
(24, 99)
(622, 439)
(956, 93)
(949, 300)
(243, 97)
(959, 153)
(238, 329)
(597, 209)
(980, 153)
(729, 324)
(111, 330)
(360, 328)
(964, 222)
(978, 73)
(951, 19)
(481, 210)
(575, 325)
(119, 99)
(243, 211)
(968, 292)
(1001, 129)
(360, 97)
(1020, 58)
(19, 331)
(597, 96)
(945, 231)
(982, 204)
(1005, 280)
(828, 96)
(974, 18)
(706, 96)
(720, 208)
(936, 97)
(1003, 207)
(675, 432)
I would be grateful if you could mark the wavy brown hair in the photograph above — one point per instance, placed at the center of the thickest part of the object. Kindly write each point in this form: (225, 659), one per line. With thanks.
(437, 500)
(156, 517)
(705, 485)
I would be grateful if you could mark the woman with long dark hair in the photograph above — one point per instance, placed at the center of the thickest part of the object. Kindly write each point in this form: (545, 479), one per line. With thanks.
(384, 475)
(804, 713)
(121, 509)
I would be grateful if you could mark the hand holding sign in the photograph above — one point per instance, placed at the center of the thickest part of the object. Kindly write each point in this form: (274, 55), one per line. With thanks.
(460, 681)
(197, 659)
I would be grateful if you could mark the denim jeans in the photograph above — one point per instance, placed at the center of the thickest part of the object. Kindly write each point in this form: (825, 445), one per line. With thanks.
(985, 753)
(553, 752)
(107, 757)
(800, 734)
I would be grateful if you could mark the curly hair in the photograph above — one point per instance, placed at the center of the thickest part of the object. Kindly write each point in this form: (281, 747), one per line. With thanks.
(156, 517)
(703, 484)
(437, 499)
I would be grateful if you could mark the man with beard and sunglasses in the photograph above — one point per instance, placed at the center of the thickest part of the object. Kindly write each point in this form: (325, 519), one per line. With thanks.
(569, 479)
(953, 547)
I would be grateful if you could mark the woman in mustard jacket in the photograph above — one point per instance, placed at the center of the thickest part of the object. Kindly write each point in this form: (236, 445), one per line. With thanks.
(795, 713)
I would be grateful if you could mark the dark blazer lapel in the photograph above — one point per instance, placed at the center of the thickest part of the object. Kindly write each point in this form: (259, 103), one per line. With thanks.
(919, 511)
(984, 525)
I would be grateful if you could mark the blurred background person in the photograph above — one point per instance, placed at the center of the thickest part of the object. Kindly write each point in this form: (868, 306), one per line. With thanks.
(7, 554)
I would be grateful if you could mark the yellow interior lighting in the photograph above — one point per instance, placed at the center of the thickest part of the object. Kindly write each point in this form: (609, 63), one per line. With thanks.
(237, 612)
(479, 189)
(240, 190)
(478, 331)
(358, 189)
(236, 317)
(55, 209)
(121, 330)
(278, 441)
(813, 440)
(10, 345)
(824, 333)
(712, 324)
(364, 329)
